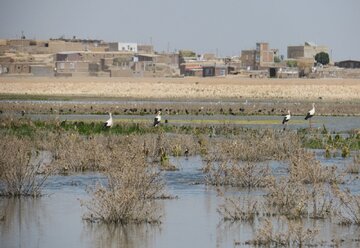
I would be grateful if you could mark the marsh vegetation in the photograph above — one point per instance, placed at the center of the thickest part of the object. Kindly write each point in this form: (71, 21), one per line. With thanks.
(133, 157)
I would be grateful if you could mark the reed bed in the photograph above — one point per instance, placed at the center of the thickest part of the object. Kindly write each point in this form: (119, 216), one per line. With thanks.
(132, 156)
(243, 175)
(131, 190)
(354, 166)
(18, 175)
(348, 211)
(292, 233)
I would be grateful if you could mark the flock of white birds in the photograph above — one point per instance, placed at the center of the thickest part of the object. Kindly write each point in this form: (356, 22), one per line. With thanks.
(109, 123)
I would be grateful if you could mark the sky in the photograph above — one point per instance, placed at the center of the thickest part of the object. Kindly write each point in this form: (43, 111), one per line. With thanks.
(205, 26)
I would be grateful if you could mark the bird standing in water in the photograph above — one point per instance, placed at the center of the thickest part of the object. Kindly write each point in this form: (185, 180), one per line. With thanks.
(310, 114)
(286, 119)
(109, 122)
(157, 119)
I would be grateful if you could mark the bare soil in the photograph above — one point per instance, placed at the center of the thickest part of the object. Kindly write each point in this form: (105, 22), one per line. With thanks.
(190, 95)
(186, 88)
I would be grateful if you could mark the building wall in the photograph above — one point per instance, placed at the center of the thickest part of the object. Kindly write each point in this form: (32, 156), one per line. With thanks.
(19, 68)
(71, 66)
(294, 52)
(169, 59)
(145, 49)
(248, 58)
(306, 51)
(122, 46)
(348, 64)
(62, 46)
(311, 51)
(264, 56)
(68, 57)
(42, 71)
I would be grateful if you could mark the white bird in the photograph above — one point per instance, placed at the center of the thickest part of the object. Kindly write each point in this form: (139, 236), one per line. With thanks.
(109, 122)
(157, 119)
(310, 114)
(286, 119)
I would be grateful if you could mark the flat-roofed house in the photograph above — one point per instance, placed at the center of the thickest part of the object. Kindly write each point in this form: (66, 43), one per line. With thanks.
(308, 50)
(348, 64)
(122, 46)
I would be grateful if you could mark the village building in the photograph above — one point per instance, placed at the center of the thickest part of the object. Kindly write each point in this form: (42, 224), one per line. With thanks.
(123, 46)
(204, 69)
(308, 50)
(262, 57)
(351, 64)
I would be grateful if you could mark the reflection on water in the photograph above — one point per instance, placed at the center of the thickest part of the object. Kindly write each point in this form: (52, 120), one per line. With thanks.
(191, 220)
(130, 236)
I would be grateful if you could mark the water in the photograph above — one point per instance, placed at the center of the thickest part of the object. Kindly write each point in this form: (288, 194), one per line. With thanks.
(190, 220)
(332, 123)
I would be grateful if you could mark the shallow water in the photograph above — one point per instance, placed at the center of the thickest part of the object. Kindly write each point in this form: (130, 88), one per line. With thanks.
(191, 220)
(332, 123)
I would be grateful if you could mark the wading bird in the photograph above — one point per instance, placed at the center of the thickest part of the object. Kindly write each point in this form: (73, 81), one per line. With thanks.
(310, 114)
(286, 119)
(109, 122)
(157, 119)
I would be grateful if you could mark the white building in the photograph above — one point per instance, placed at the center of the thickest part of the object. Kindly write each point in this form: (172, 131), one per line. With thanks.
(121, 46)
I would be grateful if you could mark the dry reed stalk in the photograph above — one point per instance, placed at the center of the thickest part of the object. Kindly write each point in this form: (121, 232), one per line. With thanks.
(244, 175)
(288, 198)
(129, 197)
(253, 145)
(290, 233)
(349, 207)
(354, 167)
(239, 209)
(305, 168)
(18, 176)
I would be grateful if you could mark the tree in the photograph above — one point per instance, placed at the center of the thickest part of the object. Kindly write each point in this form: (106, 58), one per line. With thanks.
(322, 58)
(186, 53)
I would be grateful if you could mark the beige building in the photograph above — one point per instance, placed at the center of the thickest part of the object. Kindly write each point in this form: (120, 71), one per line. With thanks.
(308, 50)
(264, 57)
(248, 59)
(260, 58)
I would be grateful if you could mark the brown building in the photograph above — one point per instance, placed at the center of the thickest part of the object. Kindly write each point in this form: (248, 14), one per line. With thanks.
(248, 59)
(351, 64)
(264, 56)
(260, 58)
(308, 50)
(145, 49)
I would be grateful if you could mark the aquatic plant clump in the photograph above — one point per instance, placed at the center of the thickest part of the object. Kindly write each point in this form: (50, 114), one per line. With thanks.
(18, 175)
(305, 168)
(244, 175)
(292, 234)
(129, 197)
(354, 167)
(349, 207)
(239, 209)
(253, 146)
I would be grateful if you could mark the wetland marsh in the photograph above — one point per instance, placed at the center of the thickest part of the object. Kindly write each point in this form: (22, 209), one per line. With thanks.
(214, 174)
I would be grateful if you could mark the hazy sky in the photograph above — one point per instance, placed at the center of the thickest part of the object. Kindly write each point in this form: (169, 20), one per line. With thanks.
(225, 27)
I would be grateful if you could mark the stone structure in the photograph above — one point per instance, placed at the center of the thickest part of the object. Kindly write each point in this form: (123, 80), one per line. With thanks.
(308, 50)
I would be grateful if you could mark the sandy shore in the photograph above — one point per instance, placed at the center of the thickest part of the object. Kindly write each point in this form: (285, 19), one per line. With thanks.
(191, 88)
